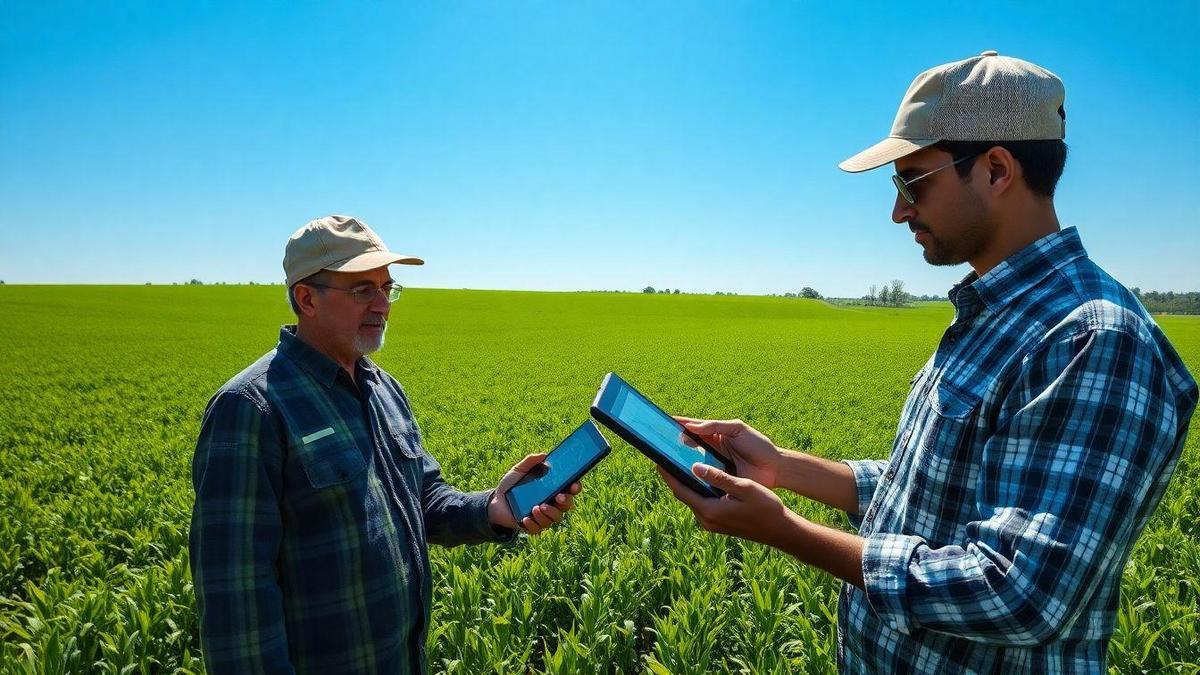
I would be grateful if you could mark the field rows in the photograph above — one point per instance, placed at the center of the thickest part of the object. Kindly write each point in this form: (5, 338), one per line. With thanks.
(101, 390)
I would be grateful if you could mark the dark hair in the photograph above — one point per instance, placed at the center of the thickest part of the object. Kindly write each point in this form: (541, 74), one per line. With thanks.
(1041, 162)
(317, 278)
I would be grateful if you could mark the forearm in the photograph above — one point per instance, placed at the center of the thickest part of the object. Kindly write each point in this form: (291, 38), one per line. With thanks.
(453, 517)
(834, 551)
(831, 483)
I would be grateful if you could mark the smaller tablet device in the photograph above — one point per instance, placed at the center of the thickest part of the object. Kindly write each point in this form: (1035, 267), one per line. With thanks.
(646, 427)
(563, 465)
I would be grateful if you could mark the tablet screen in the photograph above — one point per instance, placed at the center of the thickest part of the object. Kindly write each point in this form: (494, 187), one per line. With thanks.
(565, 461)
(657, 428)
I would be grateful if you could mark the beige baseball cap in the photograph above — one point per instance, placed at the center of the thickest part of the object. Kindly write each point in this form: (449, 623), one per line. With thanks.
(984, 98)
(340, 244)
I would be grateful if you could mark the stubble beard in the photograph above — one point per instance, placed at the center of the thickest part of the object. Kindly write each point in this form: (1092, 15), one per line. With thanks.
(970, 241)
(938, 254)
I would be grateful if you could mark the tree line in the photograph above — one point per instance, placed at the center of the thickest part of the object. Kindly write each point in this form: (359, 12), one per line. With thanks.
(1169, 302)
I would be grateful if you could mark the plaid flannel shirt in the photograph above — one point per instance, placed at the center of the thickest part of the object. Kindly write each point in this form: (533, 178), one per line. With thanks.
(1033, 447)
(314, 502)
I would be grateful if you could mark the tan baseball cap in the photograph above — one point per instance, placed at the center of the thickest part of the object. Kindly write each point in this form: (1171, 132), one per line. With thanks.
(984, 98)
(340, 244)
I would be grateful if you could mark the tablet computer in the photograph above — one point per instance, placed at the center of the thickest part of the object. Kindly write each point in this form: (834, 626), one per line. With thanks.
(646, 427)
(565, 464)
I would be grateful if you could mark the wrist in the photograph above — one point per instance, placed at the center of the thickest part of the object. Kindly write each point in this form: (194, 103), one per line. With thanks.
(497, 510)
(786, 532)
(789, 470)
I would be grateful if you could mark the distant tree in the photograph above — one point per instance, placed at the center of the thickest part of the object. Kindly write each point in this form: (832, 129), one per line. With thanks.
(720, 293)
(810, 293)
(648, 289)
(899, 297)
(872, 294)
(676, 291)
(195, 282)
(885, 295)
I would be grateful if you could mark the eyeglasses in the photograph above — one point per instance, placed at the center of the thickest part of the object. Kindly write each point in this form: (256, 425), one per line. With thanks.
(902, 185)
(365, 295)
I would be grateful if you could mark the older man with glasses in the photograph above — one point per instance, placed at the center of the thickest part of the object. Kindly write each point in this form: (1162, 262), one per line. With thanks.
(315, 496)
(1036, 441)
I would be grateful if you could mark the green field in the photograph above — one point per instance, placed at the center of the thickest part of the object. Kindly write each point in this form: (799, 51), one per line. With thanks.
(102, 388)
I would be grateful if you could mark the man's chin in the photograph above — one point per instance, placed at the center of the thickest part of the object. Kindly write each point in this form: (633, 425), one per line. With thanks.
(369, 344)
(939, 258)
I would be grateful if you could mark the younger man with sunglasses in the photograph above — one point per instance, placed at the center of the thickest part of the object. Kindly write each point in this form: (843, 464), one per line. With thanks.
(314, 493)
(1035, 443)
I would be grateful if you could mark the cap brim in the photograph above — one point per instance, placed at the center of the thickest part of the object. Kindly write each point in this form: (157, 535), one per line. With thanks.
(372, 260)
(885, 152)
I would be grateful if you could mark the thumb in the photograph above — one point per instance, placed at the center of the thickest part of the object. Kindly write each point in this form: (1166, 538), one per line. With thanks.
(530, 461)
(731, 484)
(515, 474)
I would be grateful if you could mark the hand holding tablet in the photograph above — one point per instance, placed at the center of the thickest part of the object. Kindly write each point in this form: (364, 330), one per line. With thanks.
(633, 417)
(564, 465)
(642, 424)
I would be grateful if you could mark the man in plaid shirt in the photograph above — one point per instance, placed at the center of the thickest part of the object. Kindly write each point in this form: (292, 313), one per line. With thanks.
(314, 493)
(1035, 442)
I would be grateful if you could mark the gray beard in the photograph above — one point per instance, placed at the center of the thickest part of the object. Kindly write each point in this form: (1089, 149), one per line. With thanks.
(366, 345)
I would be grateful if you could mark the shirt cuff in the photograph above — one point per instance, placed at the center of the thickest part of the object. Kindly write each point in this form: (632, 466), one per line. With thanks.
(885, 577)
(487, 531)
(866, 479)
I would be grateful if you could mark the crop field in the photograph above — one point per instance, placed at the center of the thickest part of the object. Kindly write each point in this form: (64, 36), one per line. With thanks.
(102, 388)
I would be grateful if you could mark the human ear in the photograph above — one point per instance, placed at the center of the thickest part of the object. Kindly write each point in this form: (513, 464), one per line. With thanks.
(305, 298)
(1001, 169)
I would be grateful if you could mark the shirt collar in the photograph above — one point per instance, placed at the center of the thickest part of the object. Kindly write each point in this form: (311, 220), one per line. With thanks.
(320, 366)
(1020, 271)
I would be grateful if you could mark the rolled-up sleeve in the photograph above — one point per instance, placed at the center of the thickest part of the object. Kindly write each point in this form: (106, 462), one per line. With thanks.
(1079, 460)
(235, 537)
(866, 479)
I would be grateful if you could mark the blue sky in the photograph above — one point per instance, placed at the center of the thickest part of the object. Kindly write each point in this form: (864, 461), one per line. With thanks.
(557, 145)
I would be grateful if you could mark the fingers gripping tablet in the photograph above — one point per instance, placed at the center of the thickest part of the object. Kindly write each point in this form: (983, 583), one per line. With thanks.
(645, 426)
(565, 464)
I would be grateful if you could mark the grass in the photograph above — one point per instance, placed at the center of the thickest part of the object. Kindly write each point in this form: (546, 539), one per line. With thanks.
(102, 389)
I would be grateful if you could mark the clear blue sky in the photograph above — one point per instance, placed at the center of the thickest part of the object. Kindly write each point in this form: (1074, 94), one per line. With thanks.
(557, 145)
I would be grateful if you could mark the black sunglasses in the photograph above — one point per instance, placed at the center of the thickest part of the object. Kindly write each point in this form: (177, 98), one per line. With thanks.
(902, 185)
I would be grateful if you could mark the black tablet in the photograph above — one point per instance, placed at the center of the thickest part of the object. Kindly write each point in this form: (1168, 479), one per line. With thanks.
(563, 465)
(646, 427)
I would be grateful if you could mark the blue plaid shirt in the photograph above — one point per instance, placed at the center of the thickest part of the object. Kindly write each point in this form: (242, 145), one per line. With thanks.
(314, 502)
(1033, 448)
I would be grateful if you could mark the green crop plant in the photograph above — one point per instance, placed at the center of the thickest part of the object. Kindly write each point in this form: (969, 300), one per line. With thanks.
(101, 391)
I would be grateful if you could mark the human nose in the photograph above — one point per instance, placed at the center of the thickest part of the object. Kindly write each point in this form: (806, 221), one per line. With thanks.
(379, 302)
(902, 211)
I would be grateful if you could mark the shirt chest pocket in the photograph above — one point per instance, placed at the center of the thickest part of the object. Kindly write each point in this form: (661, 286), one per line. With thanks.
(951, 417)
(945, 462)
(331, 463)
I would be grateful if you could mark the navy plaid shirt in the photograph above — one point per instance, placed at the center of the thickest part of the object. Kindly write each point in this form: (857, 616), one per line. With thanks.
(1033, 448)
(314, 501)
